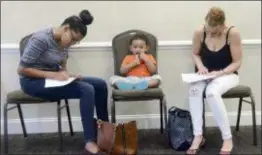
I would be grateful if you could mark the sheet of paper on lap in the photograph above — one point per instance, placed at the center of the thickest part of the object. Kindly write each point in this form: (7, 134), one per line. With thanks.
(194, 77)
(56, 83)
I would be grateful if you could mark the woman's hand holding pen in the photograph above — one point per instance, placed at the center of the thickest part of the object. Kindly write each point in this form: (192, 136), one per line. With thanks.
(78, 76)
(60, 75)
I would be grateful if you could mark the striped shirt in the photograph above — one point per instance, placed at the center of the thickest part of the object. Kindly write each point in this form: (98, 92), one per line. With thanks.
(43, 52)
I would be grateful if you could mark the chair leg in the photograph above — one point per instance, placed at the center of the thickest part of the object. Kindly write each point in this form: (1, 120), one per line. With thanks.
(59, 126)
(113, 111)
(239, 113)
(254, 119)
(165, 111)
(164, 106)
(5, 129)
(161, 115)
(69, 118)
(21, 119)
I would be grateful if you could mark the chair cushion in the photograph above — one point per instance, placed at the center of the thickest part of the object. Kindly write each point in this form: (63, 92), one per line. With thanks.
(132, 95)
(18, 96)
(238, 91)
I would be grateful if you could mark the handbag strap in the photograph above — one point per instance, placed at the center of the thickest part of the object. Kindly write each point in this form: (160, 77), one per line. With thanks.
(183, 114)
(179, 112)
(124, 138)
(171, 109)
(99, 124)
(113, 141)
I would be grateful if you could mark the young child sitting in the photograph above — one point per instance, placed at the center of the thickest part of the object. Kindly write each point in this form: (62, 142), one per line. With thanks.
(139, 68)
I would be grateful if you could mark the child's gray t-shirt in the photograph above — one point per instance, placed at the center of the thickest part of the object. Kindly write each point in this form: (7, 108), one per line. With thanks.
(43, 52)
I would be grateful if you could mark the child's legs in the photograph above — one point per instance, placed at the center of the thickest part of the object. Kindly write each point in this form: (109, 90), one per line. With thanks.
(123, 83)
(153, 81)
(114, 79)
(148, 82)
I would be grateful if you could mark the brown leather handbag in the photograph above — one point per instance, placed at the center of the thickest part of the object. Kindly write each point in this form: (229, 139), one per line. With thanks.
(117, 139)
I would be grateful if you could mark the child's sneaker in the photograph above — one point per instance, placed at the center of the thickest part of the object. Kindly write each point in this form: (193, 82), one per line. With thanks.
(141, 85)
(122, 85)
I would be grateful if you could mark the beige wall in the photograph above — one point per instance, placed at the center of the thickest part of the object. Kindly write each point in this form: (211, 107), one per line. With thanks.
(169, 20)
(173, 21)
(173, 60)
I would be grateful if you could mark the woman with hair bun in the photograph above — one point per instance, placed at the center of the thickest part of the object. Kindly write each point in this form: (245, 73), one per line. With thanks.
(217, 51)
(45, 56)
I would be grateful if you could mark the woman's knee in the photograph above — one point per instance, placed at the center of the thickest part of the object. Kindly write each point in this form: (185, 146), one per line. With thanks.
(196, 89)
(211, 91)
(97, 83)
(86, 88)
(101, 84)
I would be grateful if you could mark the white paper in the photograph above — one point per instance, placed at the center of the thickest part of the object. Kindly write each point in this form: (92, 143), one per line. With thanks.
(57, 83)
(194, 77)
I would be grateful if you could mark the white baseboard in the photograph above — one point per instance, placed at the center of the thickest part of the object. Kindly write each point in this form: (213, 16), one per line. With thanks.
(148, 121)
(107, 45)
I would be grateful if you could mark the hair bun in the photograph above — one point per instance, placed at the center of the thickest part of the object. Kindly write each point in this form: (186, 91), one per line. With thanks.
(216, 11)
(86, 17)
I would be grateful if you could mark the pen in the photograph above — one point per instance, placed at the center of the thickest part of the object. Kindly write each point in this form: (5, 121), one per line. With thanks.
(59, 67)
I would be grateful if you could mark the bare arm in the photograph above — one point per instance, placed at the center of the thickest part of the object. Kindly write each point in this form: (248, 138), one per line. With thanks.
(126, 68)
(32, 72)
(196, 45)
(150, 66)
(236, 51)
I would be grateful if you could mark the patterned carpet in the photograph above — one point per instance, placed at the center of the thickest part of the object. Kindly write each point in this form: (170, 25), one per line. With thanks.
(150, 142)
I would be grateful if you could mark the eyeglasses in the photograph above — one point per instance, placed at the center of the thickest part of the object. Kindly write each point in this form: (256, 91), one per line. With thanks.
(74, 40)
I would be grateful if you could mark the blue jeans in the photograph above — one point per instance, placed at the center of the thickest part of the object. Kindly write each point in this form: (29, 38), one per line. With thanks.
(91, 91)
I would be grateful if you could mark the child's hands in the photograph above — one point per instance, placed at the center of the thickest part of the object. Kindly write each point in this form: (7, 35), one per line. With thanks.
(137, 60)
(143, 57)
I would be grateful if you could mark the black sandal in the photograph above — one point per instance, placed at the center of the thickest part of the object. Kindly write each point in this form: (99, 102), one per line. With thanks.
(196, 151)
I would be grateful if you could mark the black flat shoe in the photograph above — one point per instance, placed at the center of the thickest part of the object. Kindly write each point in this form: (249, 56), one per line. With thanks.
(196, 151)
(86, 152)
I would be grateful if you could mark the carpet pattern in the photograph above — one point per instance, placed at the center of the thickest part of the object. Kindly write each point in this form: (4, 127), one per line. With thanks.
(150, 142)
